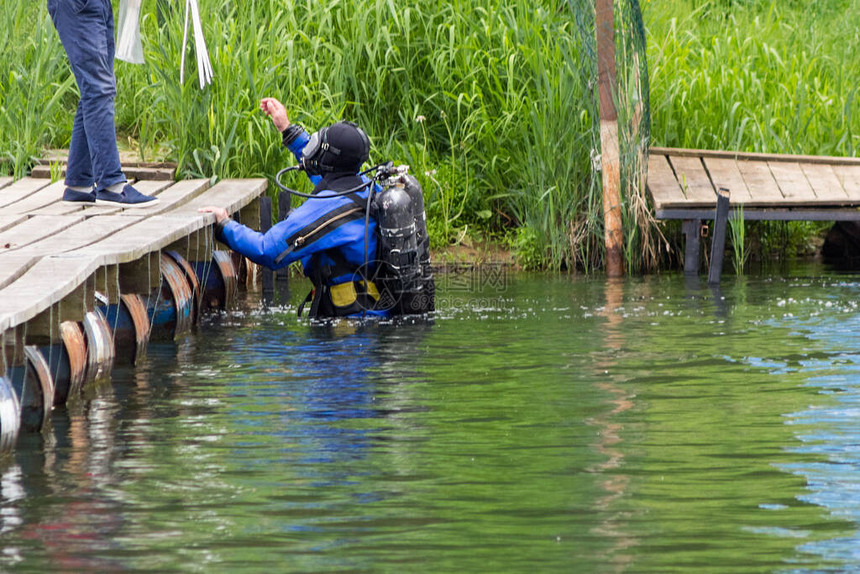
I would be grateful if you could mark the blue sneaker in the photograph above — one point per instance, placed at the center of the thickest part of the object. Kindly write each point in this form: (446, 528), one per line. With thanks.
(79, 196)
(129, 197)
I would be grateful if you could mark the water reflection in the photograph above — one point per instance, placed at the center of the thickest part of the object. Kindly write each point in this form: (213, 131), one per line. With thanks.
(613, 480)
(72, 461)
(829, 430)
(567, 425)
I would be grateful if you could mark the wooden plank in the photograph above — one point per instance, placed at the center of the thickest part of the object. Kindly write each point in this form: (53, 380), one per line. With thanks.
(131, 172)
(760, 182)
(849, 177)
(662, 183)
(4, 181)
(20, 190)
(126, 158)
(725, 173)
(39, 198)
(196, 246)
(830, 160)
(84, 233)
(69, 208)
(145, 236)
(694, 180)
(231, 194)
(152, 186)
(59, 207)
(9, 221)
(824, 183)
(172, 197)
(792, 182)
(35, 229)
(13, 266)
(44, 284)
(147, 187)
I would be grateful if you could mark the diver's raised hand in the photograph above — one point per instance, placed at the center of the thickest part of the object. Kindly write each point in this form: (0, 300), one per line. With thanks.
(275, 110)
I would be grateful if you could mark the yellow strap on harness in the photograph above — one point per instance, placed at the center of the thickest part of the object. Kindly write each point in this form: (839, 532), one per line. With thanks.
(344, 294)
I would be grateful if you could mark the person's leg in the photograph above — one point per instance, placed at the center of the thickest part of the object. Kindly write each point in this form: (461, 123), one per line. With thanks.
(86, 31)
(79, 168)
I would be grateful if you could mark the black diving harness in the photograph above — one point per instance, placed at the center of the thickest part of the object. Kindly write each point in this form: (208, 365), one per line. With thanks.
(383, 170)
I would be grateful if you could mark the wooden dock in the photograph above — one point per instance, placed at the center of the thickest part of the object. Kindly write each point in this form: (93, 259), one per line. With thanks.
(684, 184)
(66, 268)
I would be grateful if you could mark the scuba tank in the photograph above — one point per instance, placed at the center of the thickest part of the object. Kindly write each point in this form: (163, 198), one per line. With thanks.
(403, 245)
(427, 284)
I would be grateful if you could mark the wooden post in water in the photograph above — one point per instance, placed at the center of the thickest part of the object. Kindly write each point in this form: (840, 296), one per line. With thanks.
(610, 154)
(718, 247)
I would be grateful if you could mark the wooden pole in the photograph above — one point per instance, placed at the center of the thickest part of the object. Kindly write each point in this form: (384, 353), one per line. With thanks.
(610, 153)
(718, 247)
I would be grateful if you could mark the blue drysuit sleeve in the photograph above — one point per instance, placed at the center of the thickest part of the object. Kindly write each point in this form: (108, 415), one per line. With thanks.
(265, 248)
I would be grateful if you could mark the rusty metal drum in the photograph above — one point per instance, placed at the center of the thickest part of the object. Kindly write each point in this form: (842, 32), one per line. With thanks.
(129, 323)
(67, 361)
(193, 281)
(171, 311)
(218, 280)
(37, 398)
(100, 354)
(10, 415)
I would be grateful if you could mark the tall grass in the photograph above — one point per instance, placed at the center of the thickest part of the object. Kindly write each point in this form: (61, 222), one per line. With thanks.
(492, 103)
(502, 89)
(36, 89)
(755, 75)
(776, 76)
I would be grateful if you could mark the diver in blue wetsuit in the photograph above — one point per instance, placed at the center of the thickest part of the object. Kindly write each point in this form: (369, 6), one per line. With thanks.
(332, 233)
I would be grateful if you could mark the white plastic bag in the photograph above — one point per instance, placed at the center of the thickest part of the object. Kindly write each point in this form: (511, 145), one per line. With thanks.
(204, 66)
(128, 45)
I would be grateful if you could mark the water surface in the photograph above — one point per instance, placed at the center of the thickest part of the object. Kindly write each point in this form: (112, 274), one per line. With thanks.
(547, 424)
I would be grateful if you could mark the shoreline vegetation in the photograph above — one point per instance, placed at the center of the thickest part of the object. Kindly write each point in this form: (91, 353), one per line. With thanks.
(492, 104)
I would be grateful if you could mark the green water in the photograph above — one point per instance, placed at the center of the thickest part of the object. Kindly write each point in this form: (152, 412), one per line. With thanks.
(539, 425)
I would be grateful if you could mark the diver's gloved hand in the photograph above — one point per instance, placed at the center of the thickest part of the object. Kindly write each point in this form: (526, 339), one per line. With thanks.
(221, 218)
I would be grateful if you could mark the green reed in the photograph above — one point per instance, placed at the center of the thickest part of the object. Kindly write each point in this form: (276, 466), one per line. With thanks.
(34, 86)
(765, 76)
(491, 103)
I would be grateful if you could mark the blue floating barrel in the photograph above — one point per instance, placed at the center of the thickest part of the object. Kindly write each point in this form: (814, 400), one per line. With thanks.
(193, 282)
(99, 345)
(129, 323)
(67, 361)
(171, 311)
(36, 404)
(218, 280)
(10, 415)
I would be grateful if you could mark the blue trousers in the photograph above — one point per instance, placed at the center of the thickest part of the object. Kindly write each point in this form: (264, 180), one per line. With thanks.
(86, 30)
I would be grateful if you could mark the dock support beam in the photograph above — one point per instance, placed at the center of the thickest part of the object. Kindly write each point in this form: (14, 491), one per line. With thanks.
(692, 230)
(718, 245)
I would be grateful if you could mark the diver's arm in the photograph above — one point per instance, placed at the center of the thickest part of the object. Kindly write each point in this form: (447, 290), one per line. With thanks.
(294, 137)
(261, 248)
(297, 236)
